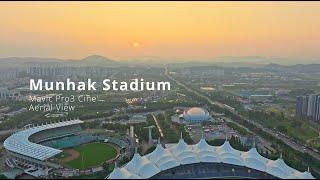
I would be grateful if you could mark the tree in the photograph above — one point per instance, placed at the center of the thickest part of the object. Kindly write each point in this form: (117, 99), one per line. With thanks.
(282, 128)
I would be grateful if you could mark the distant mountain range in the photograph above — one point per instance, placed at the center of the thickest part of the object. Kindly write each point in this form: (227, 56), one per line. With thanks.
(94, 60)
(227, 61)
(300, 68)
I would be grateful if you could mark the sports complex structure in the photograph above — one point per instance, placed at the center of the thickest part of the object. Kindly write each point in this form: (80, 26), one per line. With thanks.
(39, 151)
(201, 160)
(195, 115)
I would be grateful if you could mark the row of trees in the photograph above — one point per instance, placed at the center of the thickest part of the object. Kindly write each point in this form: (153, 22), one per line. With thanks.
(241, 130)
(143, 133)
(169, 132)
(117, 127)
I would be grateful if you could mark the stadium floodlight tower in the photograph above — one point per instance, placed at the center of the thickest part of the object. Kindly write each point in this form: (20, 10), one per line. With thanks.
(150, 135)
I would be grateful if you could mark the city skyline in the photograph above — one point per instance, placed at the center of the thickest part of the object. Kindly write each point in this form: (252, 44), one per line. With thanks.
(176, 31)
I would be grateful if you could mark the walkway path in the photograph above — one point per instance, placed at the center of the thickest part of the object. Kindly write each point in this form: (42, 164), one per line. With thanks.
(157, 124)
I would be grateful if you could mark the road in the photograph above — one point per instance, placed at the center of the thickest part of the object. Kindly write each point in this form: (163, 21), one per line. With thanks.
(295, 145)
(157, 124)
(263, 141)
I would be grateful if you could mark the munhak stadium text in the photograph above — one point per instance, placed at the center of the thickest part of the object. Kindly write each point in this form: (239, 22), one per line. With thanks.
(107, 85)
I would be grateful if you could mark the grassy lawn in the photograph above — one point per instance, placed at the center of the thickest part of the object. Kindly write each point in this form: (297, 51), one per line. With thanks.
(92, 155)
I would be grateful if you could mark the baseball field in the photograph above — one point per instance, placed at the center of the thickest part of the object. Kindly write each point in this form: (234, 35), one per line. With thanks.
(89, 155)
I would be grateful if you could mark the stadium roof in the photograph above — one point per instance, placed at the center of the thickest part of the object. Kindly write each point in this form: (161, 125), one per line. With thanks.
(180, 154)
(19, 142)
(196, 114)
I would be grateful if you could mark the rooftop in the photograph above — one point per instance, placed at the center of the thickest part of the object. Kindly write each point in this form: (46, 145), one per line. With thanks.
(19, 142)
(162, 159)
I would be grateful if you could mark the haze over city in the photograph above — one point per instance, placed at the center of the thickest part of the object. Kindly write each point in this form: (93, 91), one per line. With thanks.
(159, 90)
(287, 32)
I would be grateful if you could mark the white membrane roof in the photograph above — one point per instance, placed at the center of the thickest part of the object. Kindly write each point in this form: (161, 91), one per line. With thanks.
(19, 142)
(179, 154)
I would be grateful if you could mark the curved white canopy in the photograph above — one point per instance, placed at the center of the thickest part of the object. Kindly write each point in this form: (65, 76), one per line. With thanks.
(123, 173)
(181, 154)
(229, 155)
(279, 168)
(300, 175)
(19, 142)
(184, 153)
(142, 167)
(202, 146)
(254, 160)
(205, 152)
(163, 158)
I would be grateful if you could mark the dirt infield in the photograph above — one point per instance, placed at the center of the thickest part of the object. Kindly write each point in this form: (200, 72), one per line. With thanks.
(74, 155)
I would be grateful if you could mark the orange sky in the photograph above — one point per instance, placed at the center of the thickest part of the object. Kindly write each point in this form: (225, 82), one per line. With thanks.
(163, 30)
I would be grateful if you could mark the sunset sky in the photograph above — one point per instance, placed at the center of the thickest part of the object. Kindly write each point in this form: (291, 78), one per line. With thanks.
(161, 30)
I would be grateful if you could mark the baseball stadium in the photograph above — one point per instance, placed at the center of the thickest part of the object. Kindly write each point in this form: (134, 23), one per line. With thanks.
(62, 148)
(203, 161)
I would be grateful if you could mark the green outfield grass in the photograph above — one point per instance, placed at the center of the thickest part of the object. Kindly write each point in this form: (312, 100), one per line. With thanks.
(92, 155)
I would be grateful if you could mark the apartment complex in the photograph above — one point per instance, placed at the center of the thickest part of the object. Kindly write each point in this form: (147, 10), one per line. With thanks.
(308, 107)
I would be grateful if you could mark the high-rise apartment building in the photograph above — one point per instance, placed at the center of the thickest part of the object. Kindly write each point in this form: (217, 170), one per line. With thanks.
(299, 107)
(317, 109)
(311, 106)
(308, 107)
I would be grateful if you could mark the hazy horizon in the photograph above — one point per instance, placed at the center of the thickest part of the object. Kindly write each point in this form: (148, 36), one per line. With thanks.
(162, 31)
(258, 60)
